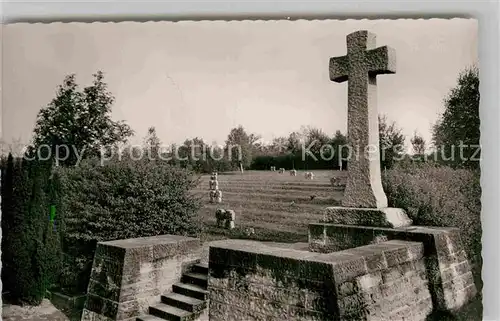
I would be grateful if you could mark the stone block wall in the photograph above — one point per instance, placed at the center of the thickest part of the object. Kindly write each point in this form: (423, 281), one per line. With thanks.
(447, 266)
(394, 287)
(130, 275)
(251, 281)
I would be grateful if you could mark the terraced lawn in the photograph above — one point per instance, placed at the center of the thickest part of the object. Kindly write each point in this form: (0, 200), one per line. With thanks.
(272, 201)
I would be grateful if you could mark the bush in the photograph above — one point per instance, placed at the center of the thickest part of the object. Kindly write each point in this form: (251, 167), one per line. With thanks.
(208, 165)
(30, 251)
(440, 196)
(120, 200)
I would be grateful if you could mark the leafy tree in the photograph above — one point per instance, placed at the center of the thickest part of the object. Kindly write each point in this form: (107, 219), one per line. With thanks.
(240, 147)
(173, 153)
(278, 146)
(418, 144)
(310, 142)
(255, 143)
(338, 143)
(391, 141)
(459, 124)
(315, 139)
(193, 153)
(216, 159)
(152, 143)
(295, 142)
(80, 120)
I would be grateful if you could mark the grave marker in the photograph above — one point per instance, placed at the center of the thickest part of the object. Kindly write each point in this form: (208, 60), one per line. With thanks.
(359, 68)
(365, 202)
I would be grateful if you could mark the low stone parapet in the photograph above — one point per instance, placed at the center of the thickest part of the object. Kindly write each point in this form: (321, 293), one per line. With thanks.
(447, 265)
(251, 281)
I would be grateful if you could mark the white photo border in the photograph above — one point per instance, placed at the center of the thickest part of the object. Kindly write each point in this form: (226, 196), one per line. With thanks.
(485, 11)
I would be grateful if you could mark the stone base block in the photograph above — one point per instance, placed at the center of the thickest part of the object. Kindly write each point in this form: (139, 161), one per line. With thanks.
(130, 275)
(449, 272)
(253, 281)
(379, 217)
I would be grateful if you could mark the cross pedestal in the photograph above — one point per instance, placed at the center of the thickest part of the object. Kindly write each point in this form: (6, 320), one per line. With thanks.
(365, 202)
(364, 217)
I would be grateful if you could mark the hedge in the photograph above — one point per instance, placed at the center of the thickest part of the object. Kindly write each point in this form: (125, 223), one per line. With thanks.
(436, 195)
(120, 200)
(297, 161)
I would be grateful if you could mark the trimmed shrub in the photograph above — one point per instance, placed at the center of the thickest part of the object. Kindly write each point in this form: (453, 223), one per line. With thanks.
(210, 165)
(120, 200)
(297, 161)
(436, 195)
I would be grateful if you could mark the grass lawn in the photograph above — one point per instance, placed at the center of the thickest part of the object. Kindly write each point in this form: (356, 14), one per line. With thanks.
(271, 202)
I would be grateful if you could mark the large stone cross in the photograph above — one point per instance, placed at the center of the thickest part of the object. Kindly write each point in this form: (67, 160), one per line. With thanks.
(360, 67)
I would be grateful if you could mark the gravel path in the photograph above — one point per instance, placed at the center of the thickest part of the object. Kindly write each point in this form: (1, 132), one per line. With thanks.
(44, 312)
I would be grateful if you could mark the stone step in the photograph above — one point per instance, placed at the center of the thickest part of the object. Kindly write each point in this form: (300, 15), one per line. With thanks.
(149, 317)
(184, 302)
(170, 313)
(195, 278)
(191, 290)
(201, 268)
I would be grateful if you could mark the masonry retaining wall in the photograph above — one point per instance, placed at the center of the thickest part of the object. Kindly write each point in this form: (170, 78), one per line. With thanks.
(251, 281)
(130, 275)
(448, 268)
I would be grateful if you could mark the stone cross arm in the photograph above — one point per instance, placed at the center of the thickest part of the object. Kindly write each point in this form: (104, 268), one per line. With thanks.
(363, 56)
(363, 62)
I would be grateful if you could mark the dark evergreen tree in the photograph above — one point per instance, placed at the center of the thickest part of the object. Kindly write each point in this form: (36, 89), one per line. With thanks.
(53, 229)
(21, 243)
(8, 225)
(30, 250)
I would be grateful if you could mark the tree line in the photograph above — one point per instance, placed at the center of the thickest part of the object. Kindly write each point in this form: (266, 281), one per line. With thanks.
(81, 119)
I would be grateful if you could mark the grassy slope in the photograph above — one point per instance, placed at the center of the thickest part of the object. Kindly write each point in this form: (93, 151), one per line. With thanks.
(277, 202)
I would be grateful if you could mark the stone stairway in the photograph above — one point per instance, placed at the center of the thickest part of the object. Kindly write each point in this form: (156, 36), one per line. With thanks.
(188, 298)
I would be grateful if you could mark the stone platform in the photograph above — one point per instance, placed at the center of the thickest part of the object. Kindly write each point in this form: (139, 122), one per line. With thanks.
(448, 269)
(253, 281)
(380, 217)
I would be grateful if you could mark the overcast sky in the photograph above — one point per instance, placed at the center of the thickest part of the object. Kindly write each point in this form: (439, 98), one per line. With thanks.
(203, 78)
